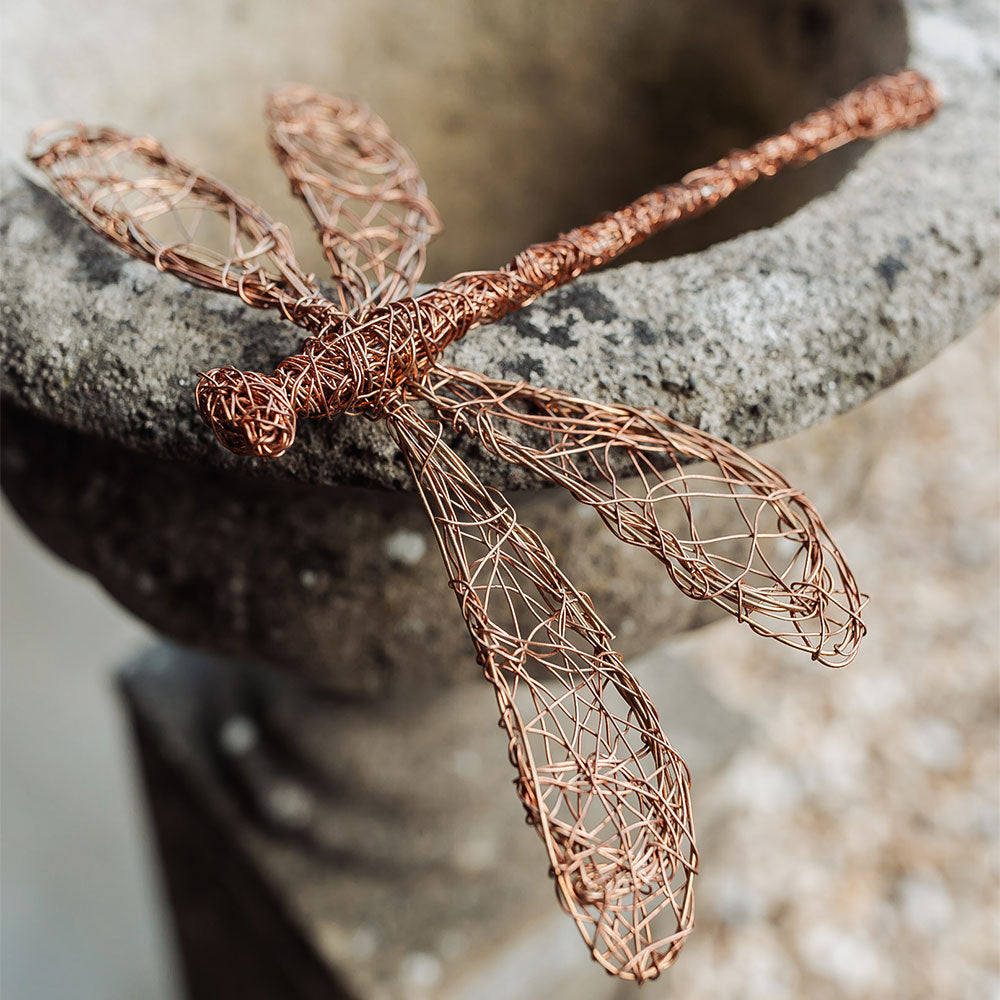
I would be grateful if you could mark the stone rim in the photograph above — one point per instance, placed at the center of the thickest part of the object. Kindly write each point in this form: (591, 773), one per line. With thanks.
(752, 339)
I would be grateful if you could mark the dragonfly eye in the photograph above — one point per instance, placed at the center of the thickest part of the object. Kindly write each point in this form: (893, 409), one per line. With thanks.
(249, 413)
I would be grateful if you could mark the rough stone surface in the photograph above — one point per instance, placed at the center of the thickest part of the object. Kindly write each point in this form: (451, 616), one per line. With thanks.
(341, 584)
(751, 339)
(525, 119)
(387, 837)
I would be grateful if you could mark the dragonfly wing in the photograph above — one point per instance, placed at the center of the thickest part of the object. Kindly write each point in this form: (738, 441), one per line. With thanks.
(131, 190)
(728, 528)
(597, 778)
(362, 188)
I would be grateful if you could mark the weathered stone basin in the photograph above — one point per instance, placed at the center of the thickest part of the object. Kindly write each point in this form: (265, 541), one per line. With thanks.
(526, 122)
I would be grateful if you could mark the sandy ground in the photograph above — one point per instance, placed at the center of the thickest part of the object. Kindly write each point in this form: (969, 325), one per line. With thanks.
(849, 847)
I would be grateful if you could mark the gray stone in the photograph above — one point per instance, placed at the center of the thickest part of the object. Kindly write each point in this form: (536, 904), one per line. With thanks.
(341, 584)
(751, 339)
(404, 868)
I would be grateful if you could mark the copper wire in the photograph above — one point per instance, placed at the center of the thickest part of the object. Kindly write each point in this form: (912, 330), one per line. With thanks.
(363, 190)
(396, 341)
(597, 778)
(771, 563)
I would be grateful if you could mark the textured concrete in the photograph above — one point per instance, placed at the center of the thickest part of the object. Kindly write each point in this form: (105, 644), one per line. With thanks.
(341, 584)
(752, 339)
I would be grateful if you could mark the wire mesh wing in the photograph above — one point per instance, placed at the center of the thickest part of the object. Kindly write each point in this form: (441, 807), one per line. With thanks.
(363, 189)
(729, 529)
(170, 214)
(597, 778)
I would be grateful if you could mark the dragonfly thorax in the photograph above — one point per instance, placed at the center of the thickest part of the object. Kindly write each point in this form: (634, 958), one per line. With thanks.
(360, 363)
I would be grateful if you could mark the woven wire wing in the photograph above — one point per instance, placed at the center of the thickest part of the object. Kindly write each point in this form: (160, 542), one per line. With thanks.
(362, 188)
(163, 211)
(728, 528)
(597, 778)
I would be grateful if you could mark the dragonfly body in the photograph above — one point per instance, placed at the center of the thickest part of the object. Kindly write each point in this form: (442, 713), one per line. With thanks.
(358, 362)
(597, 778)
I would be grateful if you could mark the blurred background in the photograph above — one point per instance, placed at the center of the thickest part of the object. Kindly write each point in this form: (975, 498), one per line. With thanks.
(849, 820)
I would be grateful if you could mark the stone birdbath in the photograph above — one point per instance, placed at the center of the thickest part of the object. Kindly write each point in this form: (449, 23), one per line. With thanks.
(333, 672)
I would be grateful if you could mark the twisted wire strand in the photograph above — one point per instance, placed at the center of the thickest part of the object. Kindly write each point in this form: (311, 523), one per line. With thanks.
(598, 780)
(362, 188)
(730, 530)
(369, 342)
(161, 210)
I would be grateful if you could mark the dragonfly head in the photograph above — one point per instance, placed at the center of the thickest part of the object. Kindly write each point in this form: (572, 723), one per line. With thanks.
(249, 413)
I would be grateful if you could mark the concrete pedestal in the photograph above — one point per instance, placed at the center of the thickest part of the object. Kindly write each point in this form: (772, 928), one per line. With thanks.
(315, 849)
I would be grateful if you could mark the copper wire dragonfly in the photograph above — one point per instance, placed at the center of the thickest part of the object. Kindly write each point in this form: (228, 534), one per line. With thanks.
(596, 776)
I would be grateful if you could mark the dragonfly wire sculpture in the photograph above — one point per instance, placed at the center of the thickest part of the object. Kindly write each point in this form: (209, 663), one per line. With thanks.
(597, 778)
